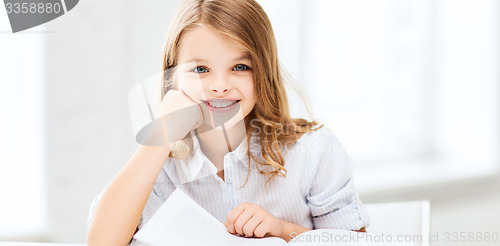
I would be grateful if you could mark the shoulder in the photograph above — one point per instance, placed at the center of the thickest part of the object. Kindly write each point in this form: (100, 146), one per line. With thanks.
(321, 147)
(320, 157)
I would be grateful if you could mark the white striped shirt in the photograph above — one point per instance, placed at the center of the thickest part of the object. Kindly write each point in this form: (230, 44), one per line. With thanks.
(318, 191)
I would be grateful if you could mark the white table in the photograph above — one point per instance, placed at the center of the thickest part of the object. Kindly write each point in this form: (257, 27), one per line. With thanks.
(38, 244)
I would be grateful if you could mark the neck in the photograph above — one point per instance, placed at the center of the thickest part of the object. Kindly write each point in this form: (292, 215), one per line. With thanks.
(215, 143)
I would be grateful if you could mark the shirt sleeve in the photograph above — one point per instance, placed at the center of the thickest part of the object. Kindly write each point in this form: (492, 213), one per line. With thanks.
(333, 200)
(92, 208)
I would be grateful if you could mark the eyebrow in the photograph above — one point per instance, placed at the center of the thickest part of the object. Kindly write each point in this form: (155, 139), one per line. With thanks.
(244, 57)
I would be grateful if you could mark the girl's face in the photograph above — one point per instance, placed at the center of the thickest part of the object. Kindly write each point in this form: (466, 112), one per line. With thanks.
(217, 73)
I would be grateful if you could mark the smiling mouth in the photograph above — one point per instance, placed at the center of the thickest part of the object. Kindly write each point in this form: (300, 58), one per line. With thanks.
(221, 103)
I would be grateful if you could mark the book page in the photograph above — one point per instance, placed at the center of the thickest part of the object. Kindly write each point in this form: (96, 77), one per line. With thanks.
(340, 237)
(181, 221)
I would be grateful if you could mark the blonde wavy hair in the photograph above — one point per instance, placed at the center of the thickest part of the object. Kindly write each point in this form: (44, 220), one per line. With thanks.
(245, 22)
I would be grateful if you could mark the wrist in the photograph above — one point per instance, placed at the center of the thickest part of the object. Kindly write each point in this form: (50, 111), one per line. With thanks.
(289, 230)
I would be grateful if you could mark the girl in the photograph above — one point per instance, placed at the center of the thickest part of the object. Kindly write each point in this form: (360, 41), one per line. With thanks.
(234, 148)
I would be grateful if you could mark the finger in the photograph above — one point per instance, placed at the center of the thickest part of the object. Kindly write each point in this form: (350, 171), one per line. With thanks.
(186, 95)
(251, 225)
(261, 230)
(197, 124)
(244, 217)
(233, 215)
(200, 104)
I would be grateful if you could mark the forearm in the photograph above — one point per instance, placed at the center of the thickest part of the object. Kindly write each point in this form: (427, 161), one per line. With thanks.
(291, 230)
(120, 207)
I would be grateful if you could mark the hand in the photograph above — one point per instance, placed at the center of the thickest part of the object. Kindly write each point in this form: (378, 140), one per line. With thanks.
(178, 114)
(251, 220)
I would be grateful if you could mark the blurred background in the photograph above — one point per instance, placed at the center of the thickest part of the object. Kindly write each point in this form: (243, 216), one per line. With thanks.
(411, 88)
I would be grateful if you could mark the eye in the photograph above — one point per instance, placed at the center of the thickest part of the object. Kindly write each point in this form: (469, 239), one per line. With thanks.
(240, 67)
(200, 69)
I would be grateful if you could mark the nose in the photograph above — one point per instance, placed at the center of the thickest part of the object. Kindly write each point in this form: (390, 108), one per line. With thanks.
(219, 89)
(220, 86)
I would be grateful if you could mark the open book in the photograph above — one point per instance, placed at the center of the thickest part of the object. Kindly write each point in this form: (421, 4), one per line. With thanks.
(181, 221)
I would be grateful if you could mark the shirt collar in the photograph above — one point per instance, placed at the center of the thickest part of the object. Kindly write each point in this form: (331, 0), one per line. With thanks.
(239, 154)
(197, 165)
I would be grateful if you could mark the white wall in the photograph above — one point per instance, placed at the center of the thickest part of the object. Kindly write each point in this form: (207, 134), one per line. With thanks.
(94, 55)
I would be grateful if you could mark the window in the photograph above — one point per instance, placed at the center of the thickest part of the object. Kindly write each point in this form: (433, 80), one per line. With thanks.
(410, 87)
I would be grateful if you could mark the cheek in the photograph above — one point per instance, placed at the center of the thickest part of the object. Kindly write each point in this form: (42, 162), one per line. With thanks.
(192, 87)
(248, 89)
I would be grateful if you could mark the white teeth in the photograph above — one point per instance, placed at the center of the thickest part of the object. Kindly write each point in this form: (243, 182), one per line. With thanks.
(221, 104)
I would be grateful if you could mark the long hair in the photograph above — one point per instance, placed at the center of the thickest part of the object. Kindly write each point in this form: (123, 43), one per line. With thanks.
(245, 22)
